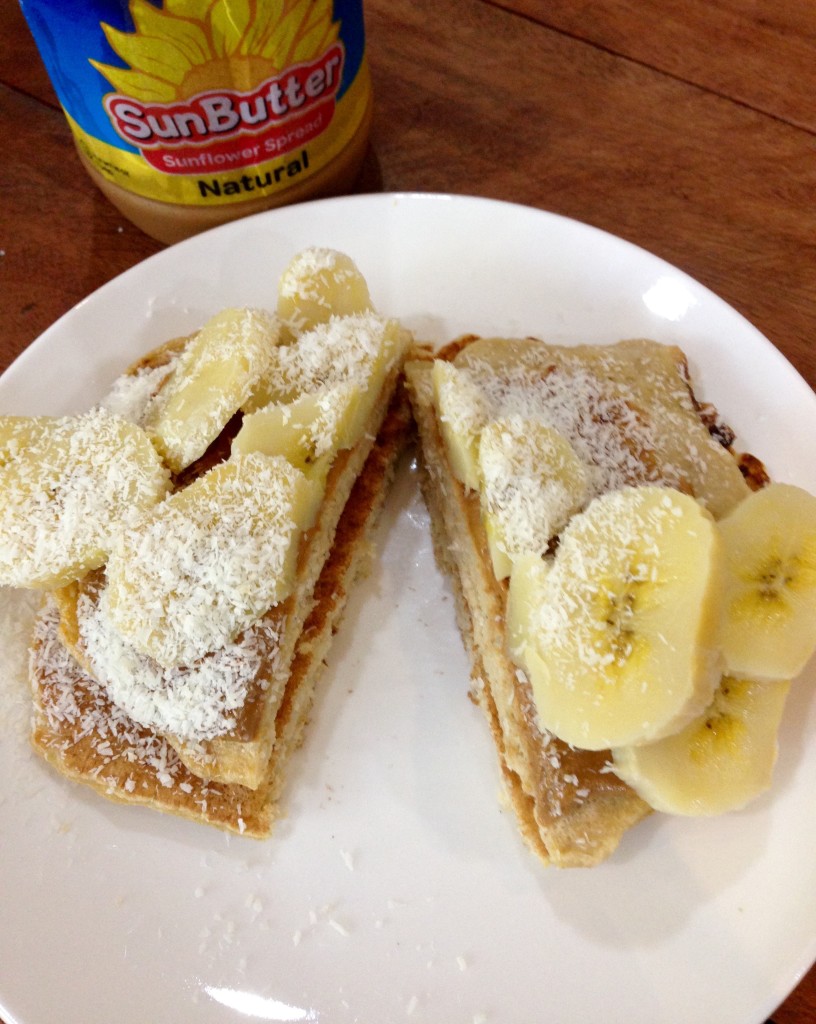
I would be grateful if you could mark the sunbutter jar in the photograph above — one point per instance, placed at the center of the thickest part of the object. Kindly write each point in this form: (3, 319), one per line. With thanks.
(190, 113)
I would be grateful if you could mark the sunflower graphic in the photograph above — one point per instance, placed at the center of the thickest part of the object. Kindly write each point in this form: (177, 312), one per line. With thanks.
(188, 47)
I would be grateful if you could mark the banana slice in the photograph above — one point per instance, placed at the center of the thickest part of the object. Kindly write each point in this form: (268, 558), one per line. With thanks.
(525, 593)
(317, 285)
(769, 630)
(19, 432)
(720, 761)
(211, 559)
(212, 379)
(624, 646)
(462, 411)
(65, 483)
(532, 482)
(308, 432)
(359, 349)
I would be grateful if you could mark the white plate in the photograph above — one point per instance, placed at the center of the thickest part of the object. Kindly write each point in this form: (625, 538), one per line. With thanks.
(396, 888)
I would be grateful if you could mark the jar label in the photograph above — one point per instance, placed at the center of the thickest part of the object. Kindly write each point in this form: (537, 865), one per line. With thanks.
(204, 102)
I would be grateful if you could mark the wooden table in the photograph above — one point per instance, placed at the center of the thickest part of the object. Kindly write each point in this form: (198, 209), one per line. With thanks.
(688, 128)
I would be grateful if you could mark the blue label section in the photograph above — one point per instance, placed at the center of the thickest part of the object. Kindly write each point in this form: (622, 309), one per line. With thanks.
(68, 33)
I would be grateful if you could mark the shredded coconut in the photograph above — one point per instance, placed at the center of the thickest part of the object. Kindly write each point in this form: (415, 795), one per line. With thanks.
(532, 483)
(131, 394)
(626, 409)
(194, 703)
(64, 484)
(598, 421)
(94, 719)
(209, 561)
(344, 350)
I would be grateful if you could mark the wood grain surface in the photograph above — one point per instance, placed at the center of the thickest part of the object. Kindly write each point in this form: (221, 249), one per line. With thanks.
(688, 128)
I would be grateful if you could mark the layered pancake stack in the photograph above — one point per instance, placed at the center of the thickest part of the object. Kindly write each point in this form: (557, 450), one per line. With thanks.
(196, 535)
(610, 555)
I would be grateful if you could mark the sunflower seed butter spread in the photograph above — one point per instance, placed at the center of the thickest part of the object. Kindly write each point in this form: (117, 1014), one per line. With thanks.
(190, 113)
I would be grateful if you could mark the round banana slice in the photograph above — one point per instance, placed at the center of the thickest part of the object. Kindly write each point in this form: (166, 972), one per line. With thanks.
(719, 762)
(624, 646)
(65, 485)
(769, 630)
(532, 482)
(317, 285)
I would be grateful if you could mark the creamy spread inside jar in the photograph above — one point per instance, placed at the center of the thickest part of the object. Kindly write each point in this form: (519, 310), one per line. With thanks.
(190, 113)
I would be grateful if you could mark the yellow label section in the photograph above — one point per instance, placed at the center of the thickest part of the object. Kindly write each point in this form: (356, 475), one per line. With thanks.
(251, 167)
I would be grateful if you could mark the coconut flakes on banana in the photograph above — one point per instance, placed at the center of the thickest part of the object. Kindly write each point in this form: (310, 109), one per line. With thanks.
(214, 544)
(657, 606)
